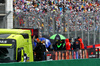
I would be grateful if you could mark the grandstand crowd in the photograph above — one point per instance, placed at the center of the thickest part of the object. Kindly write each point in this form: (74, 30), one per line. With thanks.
(53, 5)
(75, 8)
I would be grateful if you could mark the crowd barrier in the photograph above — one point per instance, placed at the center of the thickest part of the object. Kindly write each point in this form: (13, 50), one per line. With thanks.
(75, 24)
(73, 54)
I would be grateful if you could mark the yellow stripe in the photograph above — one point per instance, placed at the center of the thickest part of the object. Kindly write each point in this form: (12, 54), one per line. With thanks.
(5, 44)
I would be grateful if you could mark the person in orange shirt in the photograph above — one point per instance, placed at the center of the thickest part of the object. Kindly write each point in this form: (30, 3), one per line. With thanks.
(68, 47)
(68, 44)
(81, 43)
(81, 47)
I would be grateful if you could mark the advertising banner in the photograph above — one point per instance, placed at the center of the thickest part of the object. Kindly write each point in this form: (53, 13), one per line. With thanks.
(92, 53)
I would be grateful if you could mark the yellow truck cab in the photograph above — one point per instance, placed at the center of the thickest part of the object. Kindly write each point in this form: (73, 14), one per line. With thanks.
(15, 44)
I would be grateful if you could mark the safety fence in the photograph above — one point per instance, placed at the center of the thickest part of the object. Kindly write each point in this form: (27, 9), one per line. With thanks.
(77, 54)
(71, 24)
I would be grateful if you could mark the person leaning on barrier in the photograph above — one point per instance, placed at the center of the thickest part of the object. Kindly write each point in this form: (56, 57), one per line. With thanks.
(55, 45)
(81, 43)
(44, 50)
(68, 44)
(68, 47)
(76, 45)
(76, 48)
(63, 44)
(81, 47)
(59, 45)
(39, 50)
(70, 40)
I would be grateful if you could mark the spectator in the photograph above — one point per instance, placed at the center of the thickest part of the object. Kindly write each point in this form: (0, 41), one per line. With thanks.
(81, 43)
(44, 50)
(70, 40)
(68, 44)
(81, 47)
(55, 46)
(63, 44)
(76, 47)
(39, 50)
(68, 47)
(59, 45)
(44, 45)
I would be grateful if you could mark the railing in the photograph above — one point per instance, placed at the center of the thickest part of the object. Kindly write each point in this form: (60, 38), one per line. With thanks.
(70, 24)
(77, 54)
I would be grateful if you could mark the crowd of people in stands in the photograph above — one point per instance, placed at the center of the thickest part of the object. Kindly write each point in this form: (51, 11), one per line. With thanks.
(27, 11)
(34, 7)
(53, 5)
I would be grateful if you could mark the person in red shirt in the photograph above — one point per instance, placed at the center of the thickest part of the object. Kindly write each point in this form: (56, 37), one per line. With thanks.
(81, 47)
(68, 47)
(68, 44)
(81, 43)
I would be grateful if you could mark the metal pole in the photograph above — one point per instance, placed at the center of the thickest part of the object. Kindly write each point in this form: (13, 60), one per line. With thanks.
(45, 30)
(88, 30)
(99, 28)
(75, 26)
(63, 15)
(67, 20)
(61, 25)
(68, 26)
(53, 26)
(47, 24)
(94, 28)
(82, 27)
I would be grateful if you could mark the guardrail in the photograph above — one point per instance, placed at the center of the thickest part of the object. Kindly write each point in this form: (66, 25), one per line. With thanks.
(75, 24)
(73, 54)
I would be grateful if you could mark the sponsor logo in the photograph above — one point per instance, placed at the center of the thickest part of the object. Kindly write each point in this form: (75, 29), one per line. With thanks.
(76, 42)
(91, 53)
(92, 56)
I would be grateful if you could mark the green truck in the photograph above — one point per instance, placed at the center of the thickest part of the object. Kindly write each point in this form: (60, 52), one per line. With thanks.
(15, 44)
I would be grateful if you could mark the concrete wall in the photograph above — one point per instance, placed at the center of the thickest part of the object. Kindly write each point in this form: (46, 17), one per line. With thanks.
(9, 7)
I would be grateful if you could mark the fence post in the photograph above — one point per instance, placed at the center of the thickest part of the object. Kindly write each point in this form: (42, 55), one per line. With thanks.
(75, 18)
(99, 27)
(82, 26)
(53, 26)
(67, 21)
(94, 26)
(88, 29)
(61, 24)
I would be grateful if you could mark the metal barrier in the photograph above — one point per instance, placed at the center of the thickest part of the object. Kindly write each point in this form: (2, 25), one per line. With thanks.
(77, 54)
(70, 24)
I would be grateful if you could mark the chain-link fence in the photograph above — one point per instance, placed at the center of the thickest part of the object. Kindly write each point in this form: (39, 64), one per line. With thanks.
(70, 24)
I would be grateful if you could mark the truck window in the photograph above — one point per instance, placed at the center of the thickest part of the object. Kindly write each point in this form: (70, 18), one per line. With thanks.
(25, 36)
(6, 54)
(4, 35)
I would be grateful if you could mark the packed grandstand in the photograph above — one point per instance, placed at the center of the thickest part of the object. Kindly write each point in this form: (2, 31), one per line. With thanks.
(51, 14)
